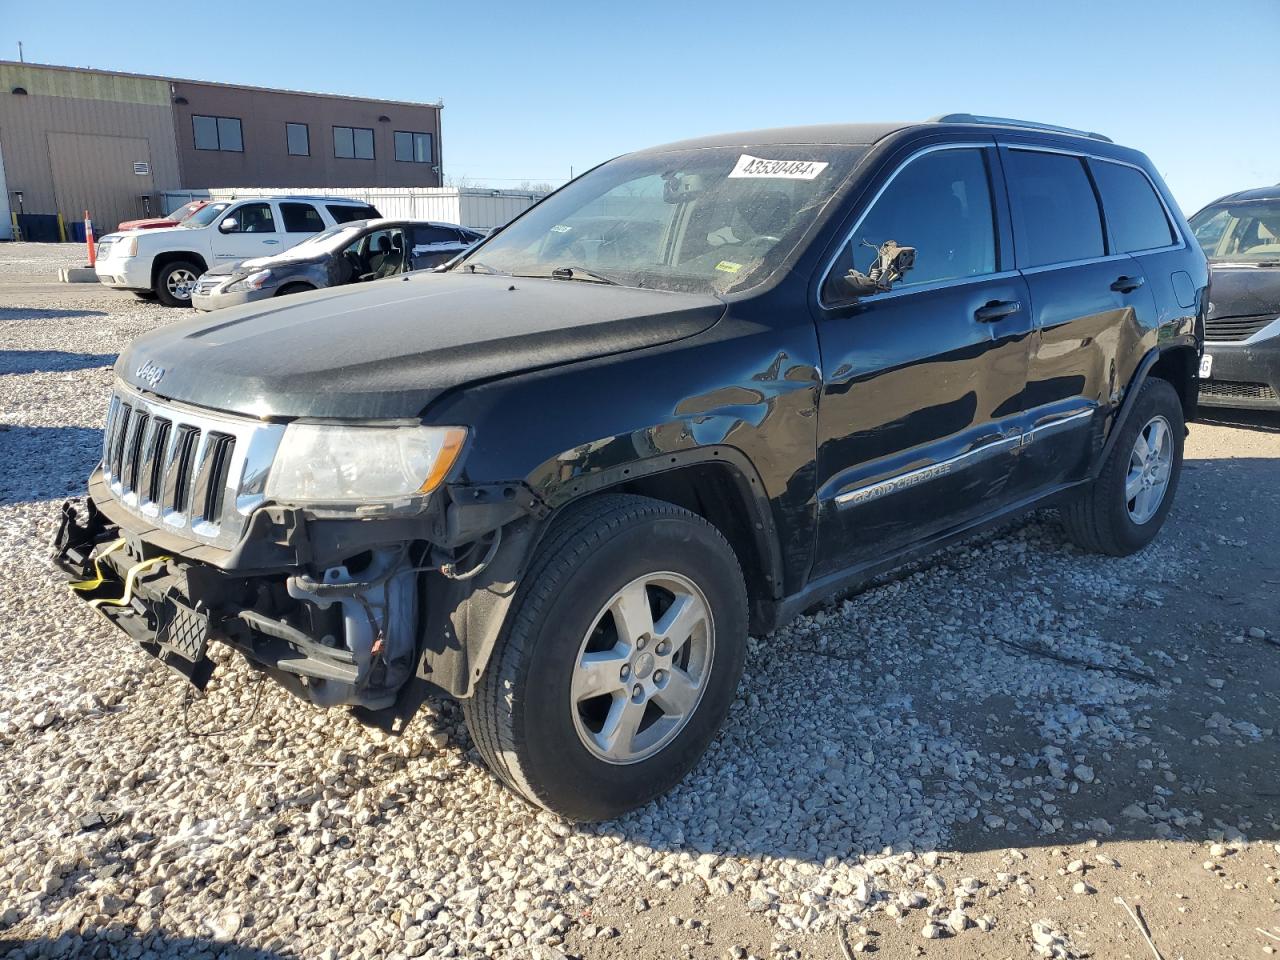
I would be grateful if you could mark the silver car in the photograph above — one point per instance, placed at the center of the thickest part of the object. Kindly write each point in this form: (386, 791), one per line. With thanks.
(348, 253)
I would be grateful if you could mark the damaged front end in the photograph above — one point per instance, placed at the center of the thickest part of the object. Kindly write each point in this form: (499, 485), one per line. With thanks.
(182, 543)
(345, 637)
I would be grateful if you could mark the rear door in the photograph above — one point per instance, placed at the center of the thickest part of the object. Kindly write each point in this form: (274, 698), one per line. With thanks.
(249, 229)
(1090, 308)
(919, 421)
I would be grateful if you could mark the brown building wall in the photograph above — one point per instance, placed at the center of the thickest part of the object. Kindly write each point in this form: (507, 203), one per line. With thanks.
(265, 160)
(71, 142)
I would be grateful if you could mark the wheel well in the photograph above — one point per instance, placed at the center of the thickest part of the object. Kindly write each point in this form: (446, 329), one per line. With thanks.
(297, 286)
(1177, 366)
(164, 259)
(720, 495)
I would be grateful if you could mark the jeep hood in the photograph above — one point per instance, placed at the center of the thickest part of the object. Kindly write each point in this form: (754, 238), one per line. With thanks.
(387, 349)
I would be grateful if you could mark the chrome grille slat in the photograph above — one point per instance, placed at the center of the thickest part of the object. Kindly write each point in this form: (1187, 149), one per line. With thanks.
(192, 472)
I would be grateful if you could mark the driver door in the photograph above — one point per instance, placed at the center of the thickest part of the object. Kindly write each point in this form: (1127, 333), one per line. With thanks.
(919, 422)
(247, 230)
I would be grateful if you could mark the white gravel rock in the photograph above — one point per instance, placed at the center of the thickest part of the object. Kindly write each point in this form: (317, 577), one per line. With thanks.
(857, 746)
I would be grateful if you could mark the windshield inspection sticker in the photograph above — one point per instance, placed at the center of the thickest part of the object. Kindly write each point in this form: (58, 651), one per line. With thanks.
(728, 266)
(749, 166)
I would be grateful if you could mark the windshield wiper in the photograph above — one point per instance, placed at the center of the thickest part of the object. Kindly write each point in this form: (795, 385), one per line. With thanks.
(475, 266)
(581, 273)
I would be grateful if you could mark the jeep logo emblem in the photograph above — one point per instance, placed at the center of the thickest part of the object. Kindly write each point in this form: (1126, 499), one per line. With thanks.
(149, 373)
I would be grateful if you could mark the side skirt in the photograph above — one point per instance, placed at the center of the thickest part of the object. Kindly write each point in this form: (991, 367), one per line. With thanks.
(852, 578)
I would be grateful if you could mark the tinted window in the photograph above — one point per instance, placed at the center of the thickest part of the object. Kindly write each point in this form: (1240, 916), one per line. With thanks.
(940, 204)
(1134, 212)
(342, 213)
(413, 147)
(253, 218)
(1055, 212)
(300, 218)
(217, 133)
(229, 134)
(426, 235)
(353, 143)
(206, 132)
(299, 139)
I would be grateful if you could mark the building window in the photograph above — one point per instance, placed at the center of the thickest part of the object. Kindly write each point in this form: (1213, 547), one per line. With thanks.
(298, 137)
(353, 143)
(217, 133)
(413, 147)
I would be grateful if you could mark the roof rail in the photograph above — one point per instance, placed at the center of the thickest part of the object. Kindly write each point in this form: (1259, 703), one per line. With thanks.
(1007, 122)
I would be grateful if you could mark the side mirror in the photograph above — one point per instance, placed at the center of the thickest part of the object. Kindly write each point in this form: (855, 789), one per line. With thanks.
(229, 225)
(892, 262)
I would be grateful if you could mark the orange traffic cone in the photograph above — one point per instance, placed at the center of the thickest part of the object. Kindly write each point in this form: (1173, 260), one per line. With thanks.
(88, 238)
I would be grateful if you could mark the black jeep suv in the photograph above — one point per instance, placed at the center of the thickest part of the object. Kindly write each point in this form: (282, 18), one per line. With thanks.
(695, 391)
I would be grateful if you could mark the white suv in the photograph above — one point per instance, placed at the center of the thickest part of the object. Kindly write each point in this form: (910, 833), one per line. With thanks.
(165, 263)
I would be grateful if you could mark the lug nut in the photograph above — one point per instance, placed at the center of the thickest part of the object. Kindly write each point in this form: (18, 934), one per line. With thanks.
(663, 647)
(637, 692)
(625, 671)
(659, 676)
(642, 643)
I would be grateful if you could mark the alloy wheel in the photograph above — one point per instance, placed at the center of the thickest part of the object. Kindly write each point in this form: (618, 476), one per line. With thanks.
(1150, 465)
(642, 668)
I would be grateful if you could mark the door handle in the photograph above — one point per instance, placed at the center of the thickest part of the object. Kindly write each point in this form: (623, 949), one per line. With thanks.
(996, 310)
(270, 241)
(1128, 284)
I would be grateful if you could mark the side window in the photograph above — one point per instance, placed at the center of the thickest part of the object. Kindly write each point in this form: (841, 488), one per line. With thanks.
(940, 204)
(253, 218)
(1134, 212)
(345, 213)
(1055, 211)
(300, 218)
(424, 236)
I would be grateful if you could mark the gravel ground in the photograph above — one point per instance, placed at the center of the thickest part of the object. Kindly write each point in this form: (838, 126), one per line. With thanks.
(974, 758)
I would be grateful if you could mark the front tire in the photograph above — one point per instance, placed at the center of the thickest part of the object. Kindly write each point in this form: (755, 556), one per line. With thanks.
(175, 282)
(619, 660)
(1125, 507)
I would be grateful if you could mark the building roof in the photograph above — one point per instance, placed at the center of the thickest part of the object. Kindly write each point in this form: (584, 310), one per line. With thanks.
(437, 104)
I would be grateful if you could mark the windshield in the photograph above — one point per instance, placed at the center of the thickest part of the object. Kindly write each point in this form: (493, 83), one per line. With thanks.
(1247, 230)
(708, 220)
(205, 216)
(186, 210)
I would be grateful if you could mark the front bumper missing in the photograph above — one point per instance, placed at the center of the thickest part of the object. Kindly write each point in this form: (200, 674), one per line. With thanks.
(173, 609)
(133, 596)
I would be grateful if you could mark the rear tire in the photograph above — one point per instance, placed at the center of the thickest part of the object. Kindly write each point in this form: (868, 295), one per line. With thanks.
(175, 281)
(1125, 507)
(619, 659)
(147, 295)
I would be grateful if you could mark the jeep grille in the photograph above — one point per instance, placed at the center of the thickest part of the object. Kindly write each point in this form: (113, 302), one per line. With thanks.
(187, 471)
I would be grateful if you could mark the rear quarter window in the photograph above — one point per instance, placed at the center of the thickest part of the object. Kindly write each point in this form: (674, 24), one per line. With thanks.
(1055, 211)
(345, 213)
(1134, 212)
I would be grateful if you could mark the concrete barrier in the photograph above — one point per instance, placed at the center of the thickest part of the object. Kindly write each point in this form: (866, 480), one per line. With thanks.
(77, 275)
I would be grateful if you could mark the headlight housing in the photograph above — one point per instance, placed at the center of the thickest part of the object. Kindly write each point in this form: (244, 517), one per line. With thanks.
(336, 464)
(254, 281)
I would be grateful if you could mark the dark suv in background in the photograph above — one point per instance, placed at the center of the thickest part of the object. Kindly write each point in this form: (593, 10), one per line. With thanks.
(697, 390)
(1240, 234)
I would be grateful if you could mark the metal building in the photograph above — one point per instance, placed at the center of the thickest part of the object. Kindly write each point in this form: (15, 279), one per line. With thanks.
(73, 139)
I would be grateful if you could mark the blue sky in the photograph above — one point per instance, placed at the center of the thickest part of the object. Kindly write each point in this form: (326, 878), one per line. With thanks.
(532, 90)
